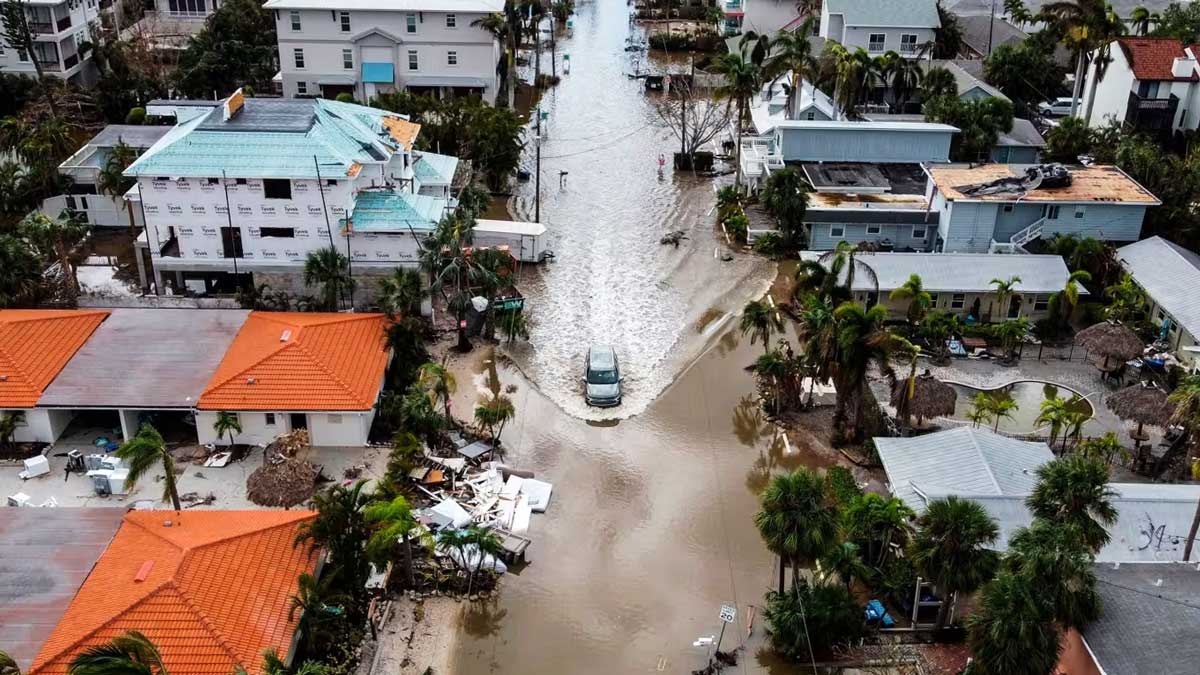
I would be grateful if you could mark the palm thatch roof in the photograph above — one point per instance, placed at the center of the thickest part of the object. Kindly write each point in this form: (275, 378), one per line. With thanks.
(288, 483)
(1141, 403)
(1111, 340)
(931, 397)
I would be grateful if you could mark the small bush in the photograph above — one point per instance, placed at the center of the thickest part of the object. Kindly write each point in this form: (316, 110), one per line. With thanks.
(345, 97)
(769, 244)
(136, 116)
(842, 484)
(737, 225)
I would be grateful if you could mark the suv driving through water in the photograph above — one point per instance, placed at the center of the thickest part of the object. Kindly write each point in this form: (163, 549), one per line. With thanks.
(602, 377)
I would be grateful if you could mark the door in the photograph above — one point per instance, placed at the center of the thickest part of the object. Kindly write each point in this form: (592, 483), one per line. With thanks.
(298, 421)
(1014, 307)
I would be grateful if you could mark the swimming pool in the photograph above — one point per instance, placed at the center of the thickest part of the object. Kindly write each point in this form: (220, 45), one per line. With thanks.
(1027, 394)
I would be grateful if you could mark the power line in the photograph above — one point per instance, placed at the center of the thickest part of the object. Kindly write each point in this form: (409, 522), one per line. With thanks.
(1150, 594)
(598, 147)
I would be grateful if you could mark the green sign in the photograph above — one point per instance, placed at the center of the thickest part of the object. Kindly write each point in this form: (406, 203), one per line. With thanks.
(509, 303)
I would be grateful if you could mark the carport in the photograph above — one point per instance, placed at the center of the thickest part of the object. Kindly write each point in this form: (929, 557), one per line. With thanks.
(147, 364)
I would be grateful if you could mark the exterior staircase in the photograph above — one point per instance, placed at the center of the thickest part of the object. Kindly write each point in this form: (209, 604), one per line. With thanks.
(1028, 234)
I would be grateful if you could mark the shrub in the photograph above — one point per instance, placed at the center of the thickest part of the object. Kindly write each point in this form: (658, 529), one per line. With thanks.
(136, 116)
(769, 244)
(737, 225)
(842, 484)
(345, 97)
(811, 618)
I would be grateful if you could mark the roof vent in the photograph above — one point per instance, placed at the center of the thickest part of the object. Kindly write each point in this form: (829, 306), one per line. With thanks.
(1158, 583)
(286, 335)
(3, 378)
(250, 380)
(144, 570)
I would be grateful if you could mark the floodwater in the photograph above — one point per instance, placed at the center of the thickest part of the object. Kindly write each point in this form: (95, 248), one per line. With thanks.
(612, 281)
(1027, 394)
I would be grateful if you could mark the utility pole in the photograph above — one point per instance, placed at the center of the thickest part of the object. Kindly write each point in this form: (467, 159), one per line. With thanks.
(991, 26)
(537, 180)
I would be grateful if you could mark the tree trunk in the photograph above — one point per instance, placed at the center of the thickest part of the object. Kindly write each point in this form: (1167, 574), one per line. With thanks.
(741, 107)
(943, 610)
(64, 259)
(408, 561)
(782, 573)
(41, 76)
(1191, 537)
(1077, 88)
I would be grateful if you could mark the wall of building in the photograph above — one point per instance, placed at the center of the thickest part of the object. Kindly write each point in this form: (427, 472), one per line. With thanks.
(41, 425)
(67, 39)
(1111, 222)
(767, 16)
(1110, 96)
(948, 302)
(865, 144)
(860, 36)
(347, 429)
(1009, 222)
(901, 236)
(1010, 154)
(322, 39)
(967, 227)
(323, 430)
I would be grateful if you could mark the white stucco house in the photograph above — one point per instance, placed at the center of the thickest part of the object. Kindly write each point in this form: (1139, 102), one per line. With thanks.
(1151, 84)
(62, 29)
(368, 47)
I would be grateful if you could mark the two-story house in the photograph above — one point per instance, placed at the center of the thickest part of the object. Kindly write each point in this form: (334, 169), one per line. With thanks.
(1150, 84)
(1003, 207)
(369, 47)
(255, 185)
(63, 37)
(880, 26)
(169, 24)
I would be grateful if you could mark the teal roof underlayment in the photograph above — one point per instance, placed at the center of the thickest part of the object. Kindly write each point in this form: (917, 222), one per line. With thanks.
(434, 169)
(272, 138)
(383, 73)
(387, 211)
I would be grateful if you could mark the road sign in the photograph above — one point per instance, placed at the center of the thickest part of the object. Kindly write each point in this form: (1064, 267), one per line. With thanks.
(728, 613)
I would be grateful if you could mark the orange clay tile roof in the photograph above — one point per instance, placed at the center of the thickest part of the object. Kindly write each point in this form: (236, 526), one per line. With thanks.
(1153, 58)
(301, 361)
(216, 594)
(35, 344)
(1088, 184)
(402, 131)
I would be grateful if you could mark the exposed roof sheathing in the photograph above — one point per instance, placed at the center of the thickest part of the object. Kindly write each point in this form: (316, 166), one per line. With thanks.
(35, 345)
(1088, 184)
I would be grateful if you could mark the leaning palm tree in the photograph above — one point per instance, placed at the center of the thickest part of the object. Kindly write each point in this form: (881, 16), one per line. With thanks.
(952, 548)
(1053, 413)
(1085, 27)
(228, 423)
(329, 270)
(393, 522)
(798, 520)
(493, 413)
(1065, 301)
(438, 383)
(918, 298)
(145, 451)
(1005, 289)
(742, 81)
(57, 237)
(130, 653)
(863, 341)
(1074, 491)
(759, 321)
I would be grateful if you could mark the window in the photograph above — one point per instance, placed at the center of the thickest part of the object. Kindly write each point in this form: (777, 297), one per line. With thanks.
(957, 301)
(231, 242)
(412, 60)
(298, 54)
(1052, 212)
(278, 232)
(348, 59)
(933, 298)
(22, 56)
(1080, 210)
(908, 43)
(277, 188)
(1008, 208)
(837, 230)
(918, 233)
(875, 42)
(451, 21)
(335, 419)
(410, 23)
(213, 181)
(1041, 302)
(295, 20)
(344, 17)
(269, 419)
(452, 58)
(1159, 316)
(331, 182)
(242, 181)
(302, 88)
(811, 116)
(874, 229)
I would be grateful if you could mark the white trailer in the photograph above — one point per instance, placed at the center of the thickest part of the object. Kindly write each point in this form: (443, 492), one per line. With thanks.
(527, 241)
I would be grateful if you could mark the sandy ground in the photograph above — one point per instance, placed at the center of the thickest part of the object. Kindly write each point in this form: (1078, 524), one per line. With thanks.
(418, 637)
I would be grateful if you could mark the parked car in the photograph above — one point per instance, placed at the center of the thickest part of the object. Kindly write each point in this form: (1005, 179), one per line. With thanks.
(1059, 107)
(602, 377)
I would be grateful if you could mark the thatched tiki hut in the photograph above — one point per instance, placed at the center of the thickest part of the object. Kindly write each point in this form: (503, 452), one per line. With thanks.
(922, 396)
(1110, 340)
(286, 484)
(1141, 403)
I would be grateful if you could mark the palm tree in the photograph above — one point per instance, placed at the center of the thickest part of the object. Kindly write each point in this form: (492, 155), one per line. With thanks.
(57, 237)
(905, 78)
(1126, 299)
(907, 349)
(1186, 400)
(111, 179)
(759, 44)
(1140, 19)
(1013, 631)
(862, 341)
(1054, 411)
(938, 82)
(130, 653)
(316, 601)
(452, 540)
(981, 410)
(401, 293)
(772, 368)
(785, 196)
(1085, 26)
(851, 68)
(439, 384)
(497, 25)
(493, 413)
(228, 423)
(1055, 559)
(876, 524)
(8, 665)
(487, 543)
(798, 520)
(1005, 289)
(1067, 299)
(1001, 408)
(145, 451)
(792, 58)
(759, 321)
(918, 298)
(951, 548)
(844, 259)
(845, 563)
(817, 331)
(1073, 491)
(341, 529)
(742, 81)
(393, 521)
(329, 269)
(1010, 333)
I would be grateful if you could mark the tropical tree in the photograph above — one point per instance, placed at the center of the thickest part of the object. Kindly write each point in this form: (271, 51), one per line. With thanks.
(340, 528)
(843, 562)
(876, 524)
(817, 331)
(798, 520)
(8, 665)
(948, 36)
(1005, 290)
(496, 24)
(1001, 408)
(937, 328)
(145, 451)
(784, 195)
(493, 413)
(772, 368)
(1073, 491)
(228, 423)
(1013, 630)
(742, 81)
(810, 618)
(235, 47)
(486, 543)
(1186, 402)
(1067, 141)
(756, 46)
(401, 293)
(1011, 333)
(1126, 299)
(130, 653)
(1106, 448)
(393, 522)
(454, 542)
(980, 121)
(981, 410)
(1054, 411)
(951, 547)
(1055, 560)
(760, 320)
(903, 75)
(863, 341)
(317, 602)
(328, 269)
(439, 384)
(20, 33)
(792, 58)
(111, 179)
(937, 83)
(918, 298)
(1085, 26)
(56, 238)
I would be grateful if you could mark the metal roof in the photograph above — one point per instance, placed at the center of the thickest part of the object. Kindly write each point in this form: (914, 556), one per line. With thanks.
(962, 272)
(388, 211)
(483, 6)
(847, 125)
(976, 29)
(146, 359)
(887, 13)
(1170, 275)
(47, 555)
(1151, 613)
(134, 135)
(962, 461)
(434, 169)
(1023, 134)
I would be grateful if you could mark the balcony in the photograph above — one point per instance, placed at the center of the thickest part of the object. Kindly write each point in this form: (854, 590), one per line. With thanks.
(51, 66)
(41, 27)
(1151, 114)
(63, 23)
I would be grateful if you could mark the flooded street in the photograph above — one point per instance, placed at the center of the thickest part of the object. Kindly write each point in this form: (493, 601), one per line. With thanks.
(613, 282)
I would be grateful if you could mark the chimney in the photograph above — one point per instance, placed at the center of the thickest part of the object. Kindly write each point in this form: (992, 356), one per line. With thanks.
(1183, 67)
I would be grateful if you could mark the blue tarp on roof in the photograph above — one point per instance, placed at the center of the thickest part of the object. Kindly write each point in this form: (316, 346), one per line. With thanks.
(389, 211)
(378, 72)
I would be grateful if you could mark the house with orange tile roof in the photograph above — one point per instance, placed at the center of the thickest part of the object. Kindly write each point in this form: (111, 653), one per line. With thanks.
(211, 589)
(35, 345)
(286, 371)
(1149, 83)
